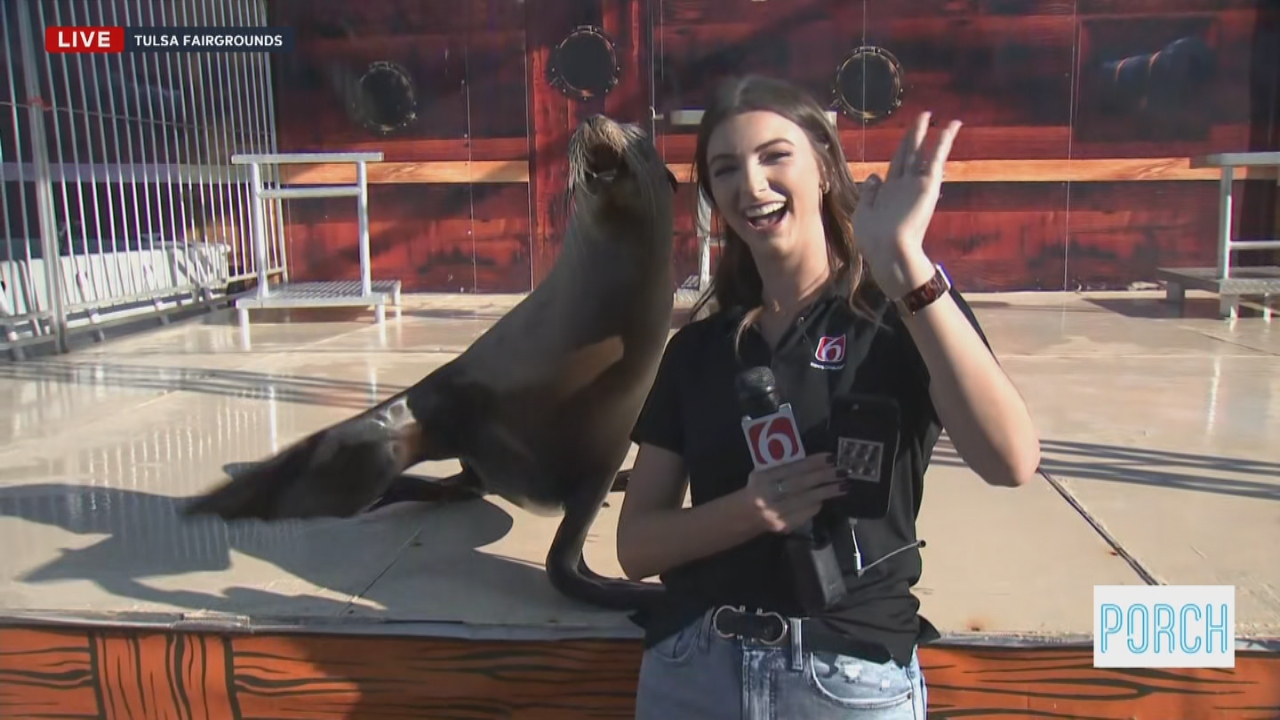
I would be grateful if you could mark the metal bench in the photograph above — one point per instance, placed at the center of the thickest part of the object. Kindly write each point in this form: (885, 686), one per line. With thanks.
(1230, 284)
(335, 293)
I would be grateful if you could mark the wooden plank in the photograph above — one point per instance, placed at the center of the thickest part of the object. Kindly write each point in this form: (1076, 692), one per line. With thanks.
(433, 238)
(286, 678)
(162, 675)
(1099, 170)
(505, 149)
(804, 48)
(387, 19)
(500, 231)
(1028, 77)
(705, 12)
(47, 673)
(1118, 234)
(1215, 138)
(1059, 170)
(51, 673)
(496, 85)
(998, 236)
(199, 665)
(550, 120)
(624, 21)
(977, 682)
(989, 70)
(431, 40)
(1060, 236)
(444, 172)
(880, 141)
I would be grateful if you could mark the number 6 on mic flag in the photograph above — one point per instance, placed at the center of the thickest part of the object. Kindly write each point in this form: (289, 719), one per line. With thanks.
(773, 439)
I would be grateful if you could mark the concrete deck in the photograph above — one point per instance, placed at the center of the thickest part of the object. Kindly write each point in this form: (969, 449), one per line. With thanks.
(1159, 434)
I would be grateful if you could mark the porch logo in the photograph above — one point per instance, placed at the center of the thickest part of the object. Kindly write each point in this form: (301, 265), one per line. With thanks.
(1164, 626)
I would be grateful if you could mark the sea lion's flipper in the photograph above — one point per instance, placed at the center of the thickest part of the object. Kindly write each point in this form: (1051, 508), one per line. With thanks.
(413, 488)
(343, 469)
(332, 473)
(567, 569)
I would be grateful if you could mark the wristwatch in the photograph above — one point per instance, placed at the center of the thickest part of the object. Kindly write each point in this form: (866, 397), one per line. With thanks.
(920, 298)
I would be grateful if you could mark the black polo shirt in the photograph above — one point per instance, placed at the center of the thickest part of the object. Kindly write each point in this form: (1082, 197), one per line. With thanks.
(692, 410)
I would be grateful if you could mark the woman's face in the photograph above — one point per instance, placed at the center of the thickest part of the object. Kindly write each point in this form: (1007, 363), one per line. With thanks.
(766, 182)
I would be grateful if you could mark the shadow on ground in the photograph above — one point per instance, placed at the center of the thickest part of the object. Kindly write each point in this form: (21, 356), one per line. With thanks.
(1071, 460)
(146, 537)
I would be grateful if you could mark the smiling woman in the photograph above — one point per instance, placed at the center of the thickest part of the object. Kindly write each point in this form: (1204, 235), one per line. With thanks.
(828, 286)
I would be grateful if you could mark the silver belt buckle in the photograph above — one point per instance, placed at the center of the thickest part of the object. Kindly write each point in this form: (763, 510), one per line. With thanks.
(782, 623)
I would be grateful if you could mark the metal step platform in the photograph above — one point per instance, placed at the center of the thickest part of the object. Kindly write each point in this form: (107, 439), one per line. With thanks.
(1231, 284)
(1262, 282)
(330, 293)
(365, 292)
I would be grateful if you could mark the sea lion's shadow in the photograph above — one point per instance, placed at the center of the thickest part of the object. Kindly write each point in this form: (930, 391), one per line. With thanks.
(153, 554)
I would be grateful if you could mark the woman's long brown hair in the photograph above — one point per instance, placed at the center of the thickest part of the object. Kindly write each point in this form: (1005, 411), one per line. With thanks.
(736, 280)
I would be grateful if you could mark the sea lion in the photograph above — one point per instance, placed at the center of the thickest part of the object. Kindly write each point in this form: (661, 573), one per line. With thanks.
(539, 409)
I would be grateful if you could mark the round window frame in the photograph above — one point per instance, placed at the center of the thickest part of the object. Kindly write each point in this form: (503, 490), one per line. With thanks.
(847, 108)
(555, 65)
(361, 111)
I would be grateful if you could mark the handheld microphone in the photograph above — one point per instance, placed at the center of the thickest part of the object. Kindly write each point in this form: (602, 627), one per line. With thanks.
(768, 424)
(773, 439)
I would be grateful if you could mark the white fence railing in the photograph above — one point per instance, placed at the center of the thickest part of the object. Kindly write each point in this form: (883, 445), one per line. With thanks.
(119, 167)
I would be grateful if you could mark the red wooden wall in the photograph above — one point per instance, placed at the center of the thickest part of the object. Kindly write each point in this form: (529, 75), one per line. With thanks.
(1061, 180)
(97, 673)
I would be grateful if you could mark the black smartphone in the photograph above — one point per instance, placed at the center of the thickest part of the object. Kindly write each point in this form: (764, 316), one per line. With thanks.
(863, 431)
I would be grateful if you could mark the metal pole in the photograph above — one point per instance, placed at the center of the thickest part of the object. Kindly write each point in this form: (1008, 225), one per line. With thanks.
(362, 210)
(704, 242)
(281, 208)
(44, 185)
(1224, 221)
(259, 229)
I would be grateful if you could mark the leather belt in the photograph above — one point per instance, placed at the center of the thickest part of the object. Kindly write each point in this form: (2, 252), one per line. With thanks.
(771, 628)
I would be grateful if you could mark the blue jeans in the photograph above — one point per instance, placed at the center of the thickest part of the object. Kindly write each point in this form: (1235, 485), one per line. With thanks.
(696, 673)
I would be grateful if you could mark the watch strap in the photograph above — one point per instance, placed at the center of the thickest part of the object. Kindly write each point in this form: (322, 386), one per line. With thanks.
(920, 298)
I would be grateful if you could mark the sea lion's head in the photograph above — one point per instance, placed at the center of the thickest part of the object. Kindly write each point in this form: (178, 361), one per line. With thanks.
(616, 175)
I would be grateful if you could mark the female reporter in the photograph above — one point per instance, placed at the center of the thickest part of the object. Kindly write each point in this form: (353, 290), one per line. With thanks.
(830, 285)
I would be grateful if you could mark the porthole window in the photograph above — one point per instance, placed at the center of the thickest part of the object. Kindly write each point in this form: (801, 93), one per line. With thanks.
(384, 100)
(585, 64)
(868, 84)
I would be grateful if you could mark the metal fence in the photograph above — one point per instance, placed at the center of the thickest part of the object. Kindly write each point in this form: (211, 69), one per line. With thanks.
(119, 197)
